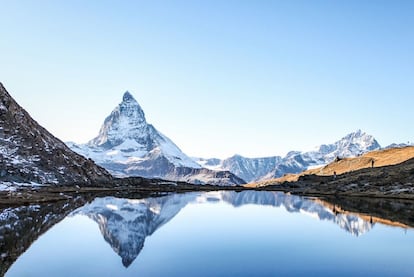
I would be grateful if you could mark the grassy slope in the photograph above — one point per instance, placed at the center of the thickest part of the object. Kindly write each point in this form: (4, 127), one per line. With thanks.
(381, 158)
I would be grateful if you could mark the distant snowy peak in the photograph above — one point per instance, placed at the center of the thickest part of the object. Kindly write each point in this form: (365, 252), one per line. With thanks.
(254, 169)
(353, 144)
(359, 142)
(399, 145)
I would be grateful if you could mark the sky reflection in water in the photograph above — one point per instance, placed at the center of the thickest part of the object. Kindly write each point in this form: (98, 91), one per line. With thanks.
(216, 234)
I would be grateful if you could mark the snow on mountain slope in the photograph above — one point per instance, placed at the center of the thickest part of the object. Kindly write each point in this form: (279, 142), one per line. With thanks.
(128, 146)
(246, 168)
(29, 153)
(213, 164)
(126, 137)
(351, 145)
(254, 169)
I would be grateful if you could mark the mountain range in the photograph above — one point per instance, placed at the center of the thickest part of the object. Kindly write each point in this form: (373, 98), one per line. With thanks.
(128, 146)
(258, 169)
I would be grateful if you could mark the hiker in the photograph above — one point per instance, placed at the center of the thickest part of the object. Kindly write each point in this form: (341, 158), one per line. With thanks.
(372, 163)
(334, 175)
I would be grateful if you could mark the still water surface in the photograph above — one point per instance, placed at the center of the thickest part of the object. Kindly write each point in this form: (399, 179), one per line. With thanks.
(206, 234)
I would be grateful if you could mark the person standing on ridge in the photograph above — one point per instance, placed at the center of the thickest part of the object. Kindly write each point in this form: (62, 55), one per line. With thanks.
(372, 163)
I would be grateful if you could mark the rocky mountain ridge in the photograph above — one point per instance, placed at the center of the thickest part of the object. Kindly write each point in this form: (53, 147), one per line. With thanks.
(29, 153)
(259, 169)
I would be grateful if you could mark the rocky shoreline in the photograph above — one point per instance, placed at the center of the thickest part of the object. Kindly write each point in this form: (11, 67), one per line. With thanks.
(134, 187)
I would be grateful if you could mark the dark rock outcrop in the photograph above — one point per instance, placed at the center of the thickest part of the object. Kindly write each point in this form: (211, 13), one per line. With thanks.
(29, 153)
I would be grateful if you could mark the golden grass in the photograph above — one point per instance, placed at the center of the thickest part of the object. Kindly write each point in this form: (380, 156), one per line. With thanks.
(385, 157)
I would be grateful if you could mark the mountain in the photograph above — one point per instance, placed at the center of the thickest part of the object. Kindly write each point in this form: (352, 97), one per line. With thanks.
(255, 169)
(128, 146)
(126, 223)
(353, 144)
(29, 153)
(382, 158)
(248, 169)
(398, 145)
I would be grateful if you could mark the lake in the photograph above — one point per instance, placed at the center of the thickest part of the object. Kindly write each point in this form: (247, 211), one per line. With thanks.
(220, 233)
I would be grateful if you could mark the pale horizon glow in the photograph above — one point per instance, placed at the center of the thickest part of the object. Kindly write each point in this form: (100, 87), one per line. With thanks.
(255, 78)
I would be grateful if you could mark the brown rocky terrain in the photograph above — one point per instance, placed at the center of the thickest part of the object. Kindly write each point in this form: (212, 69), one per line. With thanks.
(394, 181)
(29, 153)
(374, 159)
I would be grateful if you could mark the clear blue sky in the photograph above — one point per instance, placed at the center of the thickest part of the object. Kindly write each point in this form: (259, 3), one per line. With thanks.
(256, 78)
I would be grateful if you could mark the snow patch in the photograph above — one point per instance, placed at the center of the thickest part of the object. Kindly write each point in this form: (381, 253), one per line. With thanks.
(13, 186)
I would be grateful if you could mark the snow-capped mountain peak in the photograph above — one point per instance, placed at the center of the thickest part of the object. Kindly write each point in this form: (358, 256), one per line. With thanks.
(253, 169)
(126, 121)
(353, 144)
(126, 138)
(128, 146)
(128, 97)
(359, 137)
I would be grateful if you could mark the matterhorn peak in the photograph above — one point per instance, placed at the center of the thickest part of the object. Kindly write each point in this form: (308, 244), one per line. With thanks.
(128, 97)
(127, 121)
(128, 146)
(129, 104)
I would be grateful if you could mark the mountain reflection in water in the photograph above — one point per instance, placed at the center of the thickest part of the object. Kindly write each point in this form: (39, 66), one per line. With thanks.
(126, 223)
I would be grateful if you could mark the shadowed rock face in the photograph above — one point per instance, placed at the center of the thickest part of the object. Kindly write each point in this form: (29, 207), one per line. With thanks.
(29, 153)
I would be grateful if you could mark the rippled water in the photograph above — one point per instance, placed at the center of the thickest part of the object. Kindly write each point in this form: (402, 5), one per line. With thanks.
(209, 234)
